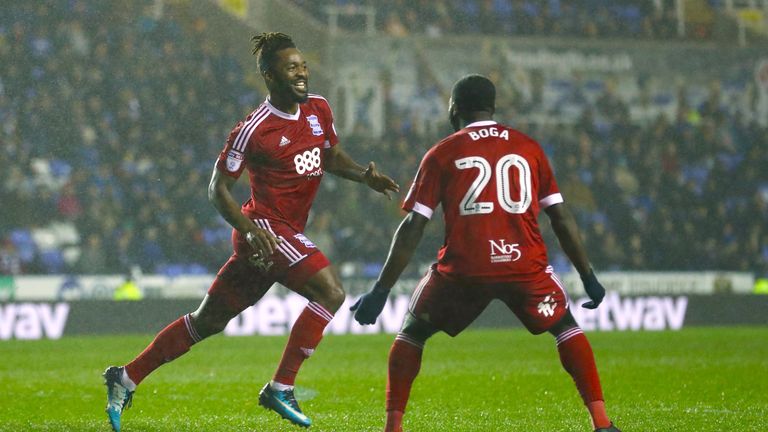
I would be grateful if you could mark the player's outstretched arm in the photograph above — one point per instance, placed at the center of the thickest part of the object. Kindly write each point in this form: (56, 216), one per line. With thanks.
(405, 241)
(339, 163)
(220, 195)
(567, 232)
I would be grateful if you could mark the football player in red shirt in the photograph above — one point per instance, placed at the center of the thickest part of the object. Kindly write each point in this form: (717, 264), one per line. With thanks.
(491, 181)
(286, 144)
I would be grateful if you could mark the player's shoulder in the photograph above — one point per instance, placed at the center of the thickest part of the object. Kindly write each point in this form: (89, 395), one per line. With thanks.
(518, 138)
(318, 101)
(257, 116)
(250, 127)
(317, 97)
(500, 130)
(441, 147)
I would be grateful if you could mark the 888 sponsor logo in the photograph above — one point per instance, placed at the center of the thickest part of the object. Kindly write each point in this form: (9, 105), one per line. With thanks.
(307, 161)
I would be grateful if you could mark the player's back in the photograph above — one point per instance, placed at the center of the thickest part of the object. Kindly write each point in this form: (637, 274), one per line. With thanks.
(491, 181)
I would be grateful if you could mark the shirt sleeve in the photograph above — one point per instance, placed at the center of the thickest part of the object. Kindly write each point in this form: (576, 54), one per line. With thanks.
(549, 193)
(424, 195)
(331, 139)
(232, 157)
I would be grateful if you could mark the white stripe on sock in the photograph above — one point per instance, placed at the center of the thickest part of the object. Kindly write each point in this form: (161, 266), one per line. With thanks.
(318, 309)
(191, 329)
(569, 334)
(409, 340)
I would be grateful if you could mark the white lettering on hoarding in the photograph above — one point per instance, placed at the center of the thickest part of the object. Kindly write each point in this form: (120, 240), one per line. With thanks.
(33, 320)
(633, 313)
(274, 315)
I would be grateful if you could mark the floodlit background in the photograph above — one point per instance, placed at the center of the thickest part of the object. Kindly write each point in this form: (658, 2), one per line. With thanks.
(654, 114)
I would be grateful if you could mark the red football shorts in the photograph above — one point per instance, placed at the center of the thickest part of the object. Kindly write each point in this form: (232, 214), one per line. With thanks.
(452, 305)
(241, 283)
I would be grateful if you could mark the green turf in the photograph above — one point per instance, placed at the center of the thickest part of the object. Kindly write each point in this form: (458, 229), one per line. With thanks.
(694, 380)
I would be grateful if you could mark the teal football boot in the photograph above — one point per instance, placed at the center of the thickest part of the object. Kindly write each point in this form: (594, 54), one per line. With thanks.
(283, 403)
(118, 397)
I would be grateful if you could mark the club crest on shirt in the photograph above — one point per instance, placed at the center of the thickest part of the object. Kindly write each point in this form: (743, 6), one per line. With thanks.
(314, 123)
(234, 160)
(307, 242)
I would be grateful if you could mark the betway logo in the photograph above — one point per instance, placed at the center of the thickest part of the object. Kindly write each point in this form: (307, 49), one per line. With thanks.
(33, 320)
(632, 313)
(274, 315)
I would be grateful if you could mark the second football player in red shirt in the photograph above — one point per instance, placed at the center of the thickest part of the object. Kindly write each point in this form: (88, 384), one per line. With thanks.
(491, 182)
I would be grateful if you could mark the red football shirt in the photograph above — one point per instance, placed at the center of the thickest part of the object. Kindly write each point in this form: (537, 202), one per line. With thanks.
(491, 181)
(284, 156)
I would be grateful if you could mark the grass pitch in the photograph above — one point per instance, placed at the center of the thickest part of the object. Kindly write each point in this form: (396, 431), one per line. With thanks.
(708, 379)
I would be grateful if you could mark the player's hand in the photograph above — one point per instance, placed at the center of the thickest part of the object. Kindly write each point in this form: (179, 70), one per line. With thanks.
(262, 242)
(368, 307)
(378, 181)
(594, 290)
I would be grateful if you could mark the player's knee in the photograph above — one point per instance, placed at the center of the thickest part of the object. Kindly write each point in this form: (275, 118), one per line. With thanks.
(565, 323)
(332, 298)
(417, 329)
(207, 325)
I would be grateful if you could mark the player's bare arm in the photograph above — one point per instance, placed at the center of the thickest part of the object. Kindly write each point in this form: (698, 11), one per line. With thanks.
(567, 232)
(220, 195)
(339, 163)
(404, 243)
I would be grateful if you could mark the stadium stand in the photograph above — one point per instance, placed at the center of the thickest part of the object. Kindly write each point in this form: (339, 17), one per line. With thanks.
(107, 162)
(593, 19)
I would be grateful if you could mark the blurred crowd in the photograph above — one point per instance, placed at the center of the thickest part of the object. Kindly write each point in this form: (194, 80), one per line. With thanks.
(582, 18)
(685, 192)
(111, 118)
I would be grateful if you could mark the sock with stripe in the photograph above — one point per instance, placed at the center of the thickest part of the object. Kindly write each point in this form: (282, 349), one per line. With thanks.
(305, 335)
(169, 344)
(577, 359)
(404, 365)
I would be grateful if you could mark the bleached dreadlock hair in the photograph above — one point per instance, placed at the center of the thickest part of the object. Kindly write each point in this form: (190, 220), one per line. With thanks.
(266, 46)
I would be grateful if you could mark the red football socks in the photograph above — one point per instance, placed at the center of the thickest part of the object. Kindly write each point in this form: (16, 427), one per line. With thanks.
(305, 336)
(578, 360)
(170, 343)
(404, 365)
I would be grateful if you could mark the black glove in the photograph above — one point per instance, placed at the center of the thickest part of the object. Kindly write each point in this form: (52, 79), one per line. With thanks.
(594, 290)
(368, 307)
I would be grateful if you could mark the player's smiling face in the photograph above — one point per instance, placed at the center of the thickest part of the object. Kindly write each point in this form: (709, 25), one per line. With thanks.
(289, 77)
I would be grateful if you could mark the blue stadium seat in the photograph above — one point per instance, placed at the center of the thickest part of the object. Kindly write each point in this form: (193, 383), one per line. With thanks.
(196, 269)
(371, 270)
(53, 261)
(170, 270)
(59, 168)
(25, 245)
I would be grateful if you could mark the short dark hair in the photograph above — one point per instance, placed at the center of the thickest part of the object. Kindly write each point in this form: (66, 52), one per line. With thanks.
(266, 46)
(474, 93)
